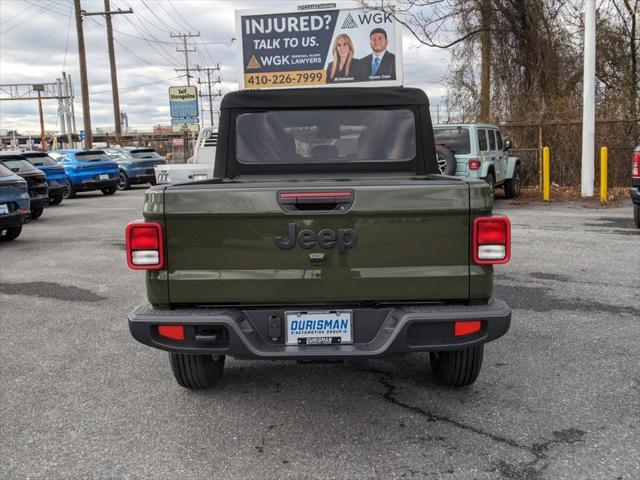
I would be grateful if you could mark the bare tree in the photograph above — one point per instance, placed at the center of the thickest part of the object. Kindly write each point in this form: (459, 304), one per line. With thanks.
(445, 24)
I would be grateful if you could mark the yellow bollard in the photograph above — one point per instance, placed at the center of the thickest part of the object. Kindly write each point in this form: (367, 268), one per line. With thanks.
(604, 163)
(545, 174)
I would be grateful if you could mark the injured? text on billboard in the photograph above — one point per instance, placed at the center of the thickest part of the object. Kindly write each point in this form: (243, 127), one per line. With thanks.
(319, 45)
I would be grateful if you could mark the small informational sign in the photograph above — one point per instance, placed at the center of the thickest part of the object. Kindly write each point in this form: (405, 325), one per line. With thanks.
(183, 102)
(191, 124)
(319, 45)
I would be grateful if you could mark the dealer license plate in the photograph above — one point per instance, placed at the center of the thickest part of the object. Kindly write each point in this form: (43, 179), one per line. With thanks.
(319, 328)
(104, 177)
(4, 208)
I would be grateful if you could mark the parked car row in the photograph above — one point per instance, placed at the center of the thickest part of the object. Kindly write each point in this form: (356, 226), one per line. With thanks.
(31, 180)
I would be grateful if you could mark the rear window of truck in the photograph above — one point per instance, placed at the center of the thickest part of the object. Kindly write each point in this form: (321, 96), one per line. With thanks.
(456, 139)
(326, 136)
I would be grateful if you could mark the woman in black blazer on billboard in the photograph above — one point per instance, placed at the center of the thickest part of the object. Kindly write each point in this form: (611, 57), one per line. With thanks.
(344, 65)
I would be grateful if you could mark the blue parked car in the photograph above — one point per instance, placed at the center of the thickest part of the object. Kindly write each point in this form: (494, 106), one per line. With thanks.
(88, 170)
(14, 204)
(56, 178)
(36, 183)
(136, 165)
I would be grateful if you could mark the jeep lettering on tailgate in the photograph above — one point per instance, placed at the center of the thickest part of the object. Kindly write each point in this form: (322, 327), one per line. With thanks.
(344, 238)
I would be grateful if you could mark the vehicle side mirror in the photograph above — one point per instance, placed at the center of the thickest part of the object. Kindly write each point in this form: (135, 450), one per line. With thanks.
(507, 144)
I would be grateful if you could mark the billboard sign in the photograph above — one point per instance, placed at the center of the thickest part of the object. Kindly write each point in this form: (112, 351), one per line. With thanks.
(183, 102)
(319, 45)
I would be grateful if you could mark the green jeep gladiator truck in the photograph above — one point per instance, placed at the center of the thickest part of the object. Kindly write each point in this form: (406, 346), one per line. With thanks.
(327, 232)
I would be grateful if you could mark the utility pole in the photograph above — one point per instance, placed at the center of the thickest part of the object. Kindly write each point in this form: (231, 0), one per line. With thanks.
(84, 83)
(43, 135)
(588, 103)
(209, 83)
(186, 51)
(112, 61)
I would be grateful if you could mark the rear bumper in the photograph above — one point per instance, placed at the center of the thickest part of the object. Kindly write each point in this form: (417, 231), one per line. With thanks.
(377, 332)
(635, 194)
(56, 189)
(143, 178)
(39, 201)
(88, 185)
(13, 219)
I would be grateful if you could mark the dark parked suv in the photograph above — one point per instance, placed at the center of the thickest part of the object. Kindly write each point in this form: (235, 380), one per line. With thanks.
(14, 204)
(36, 180)
(56, 178)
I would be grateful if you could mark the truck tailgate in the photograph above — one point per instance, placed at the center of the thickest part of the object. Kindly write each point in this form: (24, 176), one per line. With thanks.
(412, 243)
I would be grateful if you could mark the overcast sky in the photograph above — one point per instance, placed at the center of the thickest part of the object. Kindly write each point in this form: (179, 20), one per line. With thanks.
(38, 41)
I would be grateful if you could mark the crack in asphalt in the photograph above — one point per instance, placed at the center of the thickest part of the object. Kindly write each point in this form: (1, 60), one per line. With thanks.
(528, 470)
(539, 299)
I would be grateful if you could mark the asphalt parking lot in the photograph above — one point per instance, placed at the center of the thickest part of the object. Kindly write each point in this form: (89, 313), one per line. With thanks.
(558, 397)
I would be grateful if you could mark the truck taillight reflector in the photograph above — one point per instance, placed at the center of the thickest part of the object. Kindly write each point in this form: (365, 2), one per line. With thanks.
(491, 240)
(635, 165)
(145, 247)
(474, 164)
(466, 328)
(174, 332)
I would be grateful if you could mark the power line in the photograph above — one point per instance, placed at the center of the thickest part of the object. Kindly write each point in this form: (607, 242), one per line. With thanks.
(21, 12)
(133, 87)
(66, 46)
(156, 16)
(43, 10)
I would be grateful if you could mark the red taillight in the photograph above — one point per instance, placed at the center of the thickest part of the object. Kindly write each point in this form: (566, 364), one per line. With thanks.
(174, 332)
(491, 240)
(145, 248)
(635, 165)
(465, 328)
(474, 164)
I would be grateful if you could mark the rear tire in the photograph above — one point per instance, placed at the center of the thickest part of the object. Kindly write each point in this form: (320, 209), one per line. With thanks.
(636, 214)
(196, 372)
(10, 234)
(109, 191)
(513, 186)
(123, 183)
(36, 212)
(491, 180)
(446, 160)
(68, 191)
(457, 368)
(55, 200)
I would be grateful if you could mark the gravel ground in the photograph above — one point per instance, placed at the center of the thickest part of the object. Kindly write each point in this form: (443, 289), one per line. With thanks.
(558, 397)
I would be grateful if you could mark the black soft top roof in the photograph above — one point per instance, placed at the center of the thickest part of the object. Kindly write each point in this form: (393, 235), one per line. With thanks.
(324, 97)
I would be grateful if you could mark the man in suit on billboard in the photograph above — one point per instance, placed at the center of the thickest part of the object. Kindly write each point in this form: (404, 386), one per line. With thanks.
(380, 64)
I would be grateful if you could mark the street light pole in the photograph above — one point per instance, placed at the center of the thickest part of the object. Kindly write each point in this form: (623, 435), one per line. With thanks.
(588, 104)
